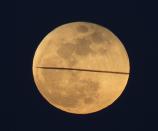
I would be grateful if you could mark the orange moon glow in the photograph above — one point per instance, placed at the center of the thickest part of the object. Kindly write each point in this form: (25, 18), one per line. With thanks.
(81, 67)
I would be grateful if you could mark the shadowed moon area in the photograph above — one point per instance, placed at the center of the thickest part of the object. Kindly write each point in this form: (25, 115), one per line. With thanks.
(75, 47)
(66, 50)
(98, 37)
(79, 47)
(82, 28)
(82, 47)
(70, 98)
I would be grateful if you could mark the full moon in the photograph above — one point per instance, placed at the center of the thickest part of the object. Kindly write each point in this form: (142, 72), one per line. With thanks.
(81, 67)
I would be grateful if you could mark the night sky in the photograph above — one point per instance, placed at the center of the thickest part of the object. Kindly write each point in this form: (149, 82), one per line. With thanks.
(133, 23)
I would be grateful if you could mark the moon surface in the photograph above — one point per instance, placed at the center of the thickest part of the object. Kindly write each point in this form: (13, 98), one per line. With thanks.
(66, 67)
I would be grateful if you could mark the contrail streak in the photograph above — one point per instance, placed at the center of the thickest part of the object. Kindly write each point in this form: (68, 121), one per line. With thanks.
(87, 70)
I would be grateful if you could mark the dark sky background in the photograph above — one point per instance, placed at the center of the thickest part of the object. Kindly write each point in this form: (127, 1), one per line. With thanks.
(134, 24)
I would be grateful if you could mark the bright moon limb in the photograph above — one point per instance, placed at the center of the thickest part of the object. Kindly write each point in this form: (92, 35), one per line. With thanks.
(81, 67)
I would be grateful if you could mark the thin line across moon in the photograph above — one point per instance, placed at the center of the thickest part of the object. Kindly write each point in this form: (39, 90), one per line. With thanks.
(89, 70)
(81, 67)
